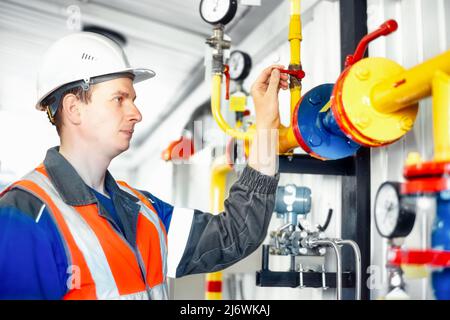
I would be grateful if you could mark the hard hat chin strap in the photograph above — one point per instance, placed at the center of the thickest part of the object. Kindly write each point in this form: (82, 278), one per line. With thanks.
(51, 118)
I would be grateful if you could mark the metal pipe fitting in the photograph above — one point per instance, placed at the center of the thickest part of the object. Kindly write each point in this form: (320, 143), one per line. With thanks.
(218, 44)
(332, 244)
(277, 234)
(357, 253)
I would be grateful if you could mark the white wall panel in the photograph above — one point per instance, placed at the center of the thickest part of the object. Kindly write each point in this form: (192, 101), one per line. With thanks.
(423, 33)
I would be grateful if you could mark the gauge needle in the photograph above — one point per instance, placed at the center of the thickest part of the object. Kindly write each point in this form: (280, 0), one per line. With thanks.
(388, 206)
(215, 8)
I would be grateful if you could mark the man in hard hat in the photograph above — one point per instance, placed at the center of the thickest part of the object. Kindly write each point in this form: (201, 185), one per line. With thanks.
(68, 230)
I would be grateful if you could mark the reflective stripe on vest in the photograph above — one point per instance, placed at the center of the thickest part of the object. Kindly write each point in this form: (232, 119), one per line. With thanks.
(102, 265)
(153, 244)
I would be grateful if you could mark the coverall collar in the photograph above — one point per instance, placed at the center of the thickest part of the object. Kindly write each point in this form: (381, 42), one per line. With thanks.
(69, 184)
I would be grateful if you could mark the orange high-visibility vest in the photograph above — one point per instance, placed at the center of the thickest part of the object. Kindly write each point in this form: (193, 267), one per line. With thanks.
(102, 264)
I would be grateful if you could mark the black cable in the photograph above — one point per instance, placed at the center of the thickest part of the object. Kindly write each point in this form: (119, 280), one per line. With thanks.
(300, 226)
(327, 222)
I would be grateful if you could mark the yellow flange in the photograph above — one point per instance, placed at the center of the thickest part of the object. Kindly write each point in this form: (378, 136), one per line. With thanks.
(370, 126)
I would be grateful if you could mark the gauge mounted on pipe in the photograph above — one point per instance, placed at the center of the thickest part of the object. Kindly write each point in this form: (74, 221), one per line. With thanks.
(218, 11)
(394, 214)
(240, 65)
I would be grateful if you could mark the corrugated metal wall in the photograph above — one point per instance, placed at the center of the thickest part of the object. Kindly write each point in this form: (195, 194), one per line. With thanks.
(424, 31)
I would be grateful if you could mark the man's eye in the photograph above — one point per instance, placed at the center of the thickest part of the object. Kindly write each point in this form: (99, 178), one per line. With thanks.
(118, 99)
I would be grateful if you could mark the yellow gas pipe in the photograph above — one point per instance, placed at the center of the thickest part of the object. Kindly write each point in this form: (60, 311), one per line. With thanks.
(408, 87)
(295, 40)
(381, 97)
(216, 95)
(441, 116)
(287, 140)
(220, 170)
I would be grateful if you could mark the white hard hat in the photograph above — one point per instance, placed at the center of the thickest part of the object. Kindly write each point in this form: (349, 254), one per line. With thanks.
(82, 56)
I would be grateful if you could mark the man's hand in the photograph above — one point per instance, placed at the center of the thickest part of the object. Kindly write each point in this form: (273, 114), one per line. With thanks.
(263, 154)
(265, 96)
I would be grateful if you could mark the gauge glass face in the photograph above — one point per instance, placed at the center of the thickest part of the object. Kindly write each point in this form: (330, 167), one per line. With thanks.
(237, 65)
(214, 10)
(387, 210)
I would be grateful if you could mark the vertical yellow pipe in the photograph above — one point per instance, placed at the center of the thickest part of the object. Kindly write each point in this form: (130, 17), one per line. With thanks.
(219, 174)
(441, 116)
(295, 39)
(287, 138)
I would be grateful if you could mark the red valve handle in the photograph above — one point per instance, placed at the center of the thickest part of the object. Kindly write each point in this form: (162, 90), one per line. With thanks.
(299, 74)
(385, 29)
(226, 72)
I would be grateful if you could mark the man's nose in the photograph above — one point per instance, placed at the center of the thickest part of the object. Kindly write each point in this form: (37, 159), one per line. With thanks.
(135, 114)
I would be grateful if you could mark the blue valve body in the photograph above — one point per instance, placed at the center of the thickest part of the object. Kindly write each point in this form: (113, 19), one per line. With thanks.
(318, 127)
(440, 240)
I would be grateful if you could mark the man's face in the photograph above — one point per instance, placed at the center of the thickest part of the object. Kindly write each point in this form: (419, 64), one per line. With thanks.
(108, 120)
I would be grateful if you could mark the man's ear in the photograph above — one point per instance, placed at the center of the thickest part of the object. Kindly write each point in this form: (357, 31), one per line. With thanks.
(71, 108)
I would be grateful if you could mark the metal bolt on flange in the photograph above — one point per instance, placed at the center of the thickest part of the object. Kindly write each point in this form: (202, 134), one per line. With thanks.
(315, 99)
(315, 140)
(363, 121)
(362, 73)
(406, 123)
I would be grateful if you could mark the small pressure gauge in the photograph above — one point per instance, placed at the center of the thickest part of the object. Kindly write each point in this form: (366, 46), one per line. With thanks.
(240, 64)
(218, 11)
(394, 214)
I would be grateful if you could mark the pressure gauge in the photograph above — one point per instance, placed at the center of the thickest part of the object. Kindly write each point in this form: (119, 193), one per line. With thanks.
(394, 214)
(218, 11)
(240, 64)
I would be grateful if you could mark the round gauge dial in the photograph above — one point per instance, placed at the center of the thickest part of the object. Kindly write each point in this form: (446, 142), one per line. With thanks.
(218, 11)
(394, 216)
(240, 64)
